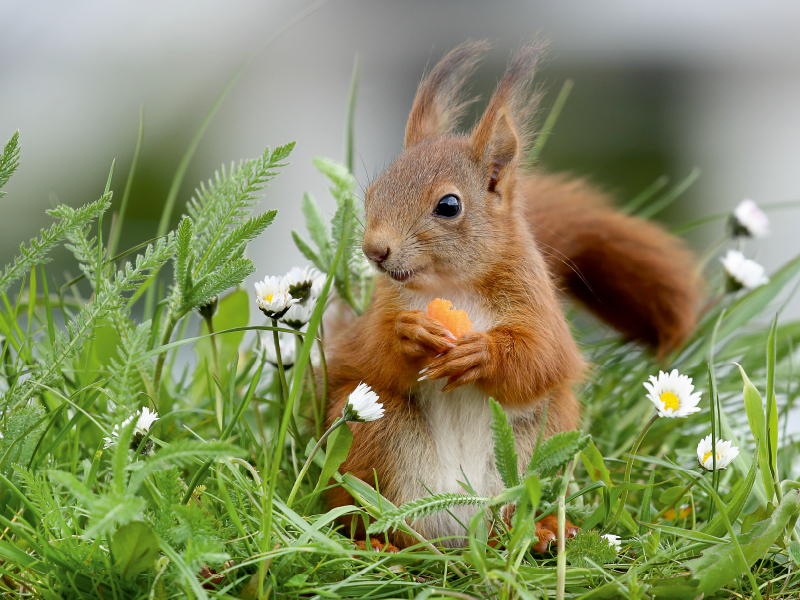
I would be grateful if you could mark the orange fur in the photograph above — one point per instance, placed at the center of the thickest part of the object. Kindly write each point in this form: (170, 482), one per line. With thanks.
(628, 271)
(500, 259)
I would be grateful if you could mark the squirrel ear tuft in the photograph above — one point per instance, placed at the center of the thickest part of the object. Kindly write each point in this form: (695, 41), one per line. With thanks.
(505, 128)
(496, 144)
(438, 104)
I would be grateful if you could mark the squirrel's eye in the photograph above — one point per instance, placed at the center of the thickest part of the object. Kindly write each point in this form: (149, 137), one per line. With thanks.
(448, 206)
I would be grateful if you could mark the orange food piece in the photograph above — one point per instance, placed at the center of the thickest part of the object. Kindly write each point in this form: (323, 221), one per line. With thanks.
(455, 321)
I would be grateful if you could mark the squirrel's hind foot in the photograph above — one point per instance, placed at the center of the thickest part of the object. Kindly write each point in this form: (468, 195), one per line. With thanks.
(547, 531)
(377, 546)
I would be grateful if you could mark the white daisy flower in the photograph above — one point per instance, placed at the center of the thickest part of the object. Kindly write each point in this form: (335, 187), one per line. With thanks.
(363, 405)
(300, 281)
(144, 421)
(288, 349)
(743, 272)
(749, 220)
(299, 314)
(273, 297)
(614, 541)
(725, 453)
(672, 394)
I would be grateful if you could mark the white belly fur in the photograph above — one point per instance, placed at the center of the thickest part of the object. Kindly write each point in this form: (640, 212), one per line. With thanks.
(459, 425)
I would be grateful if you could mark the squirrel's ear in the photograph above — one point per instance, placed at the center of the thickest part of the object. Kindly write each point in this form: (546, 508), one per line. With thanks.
(504, 129)
(438, 103)
(495, 144)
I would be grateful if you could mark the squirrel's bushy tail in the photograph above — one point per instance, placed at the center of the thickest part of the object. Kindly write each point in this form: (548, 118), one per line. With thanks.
(628, 271)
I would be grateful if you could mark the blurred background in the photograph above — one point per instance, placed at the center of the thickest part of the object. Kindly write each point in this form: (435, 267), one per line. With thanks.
(659, 89)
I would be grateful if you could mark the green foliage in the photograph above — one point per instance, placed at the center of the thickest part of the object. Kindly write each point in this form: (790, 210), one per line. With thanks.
(198, 505)
(556, 451)
(754, 406)
(794, 551)
(424, 507)
(720, 564)
(135, 547)
(338, 447)
(505, 453)
(589, 549)
(211, 240)
(109, 297)
(20, 435)
(9, 161)
(353, 276)
(595, 465)
(716, 526)
(70, 222)
(127, 371)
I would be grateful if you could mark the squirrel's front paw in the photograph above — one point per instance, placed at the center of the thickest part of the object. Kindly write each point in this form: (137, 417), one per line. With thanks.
(421, 335)
(465, 363)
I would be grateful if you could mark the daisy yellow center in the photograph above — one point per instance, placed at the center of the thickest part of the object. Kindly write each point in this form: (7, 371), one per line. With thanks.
(670, 400)
(708, 455)
(268, 299)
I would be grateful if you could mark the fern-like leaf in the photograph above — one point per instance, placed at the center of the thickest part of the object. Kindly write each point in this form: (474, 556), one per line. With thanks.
(339, 225)
(423, 507)
(70, 220)
(81, 325)
(317, 228)
(233, 243)
(226, 200)
(37, 490)
(131, 275)
(592, 546)
(181, 453)
(505, 452)
(183, 253)
(557, 450)
(20, 436)
(9, 161)
(230, 275)
(213, 259)
(339, 174)
(126, 381)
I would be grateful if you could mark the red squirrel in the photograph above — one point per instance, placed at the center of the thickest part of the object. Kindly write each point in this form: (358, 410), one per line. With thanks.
(455, 216)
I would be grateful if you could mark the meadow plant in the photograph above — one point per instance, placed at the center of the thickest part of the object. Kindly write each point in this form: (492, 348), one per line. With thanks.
(128, 472)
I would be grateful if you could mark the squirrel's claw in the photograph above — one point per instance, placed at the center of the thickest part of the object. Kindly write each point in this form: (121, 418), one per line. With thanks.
(420, 335)
(465, 363)
(461, 379)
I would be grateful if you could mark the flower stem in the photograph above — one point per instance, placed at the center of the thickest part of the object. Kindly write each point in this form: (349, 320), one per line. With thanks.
(281, 373)
(341, 421)
(210, 324)
(624, 496)
(172, 320)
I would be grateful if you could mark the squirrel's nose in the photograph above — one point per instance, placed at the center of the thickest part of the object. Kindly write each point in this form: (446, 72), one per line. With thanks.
(378, 254)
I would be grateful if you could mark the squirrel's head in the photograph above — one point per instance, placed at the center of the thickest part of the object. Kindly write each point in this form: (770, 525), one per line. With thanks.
(441, 211)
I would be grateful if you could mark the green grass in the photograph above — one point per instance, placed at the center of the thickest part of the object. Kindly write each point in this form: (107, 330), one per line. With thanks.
(200, 506)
